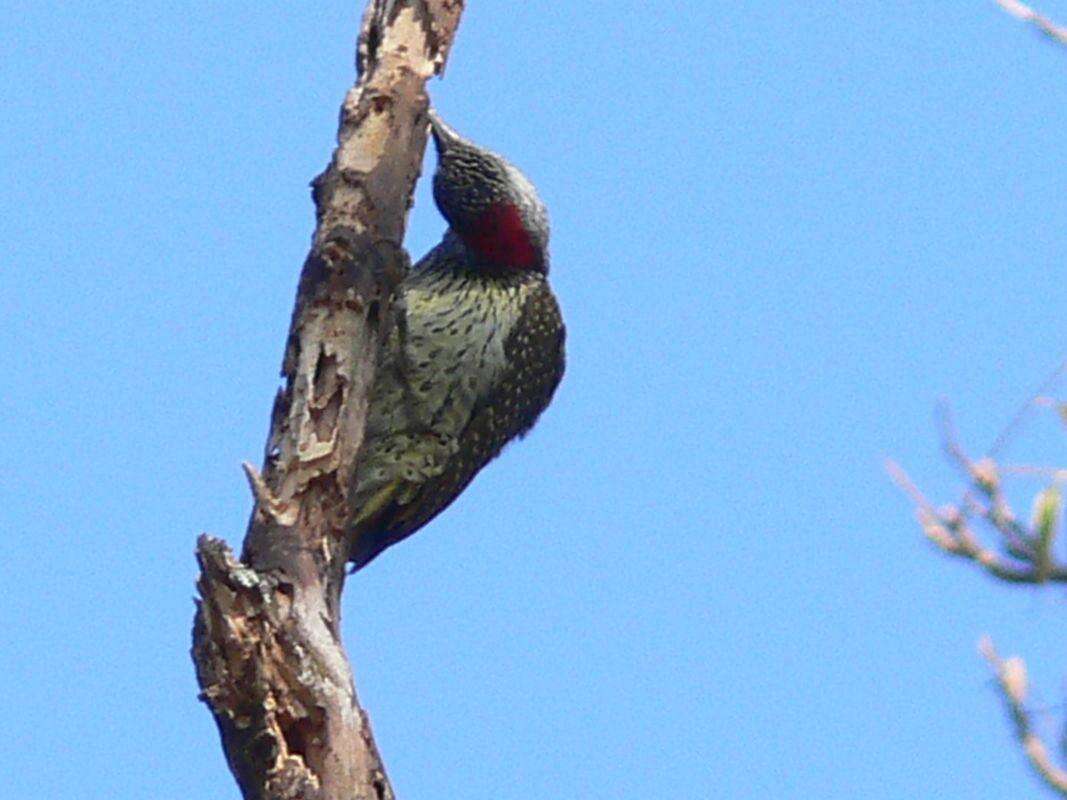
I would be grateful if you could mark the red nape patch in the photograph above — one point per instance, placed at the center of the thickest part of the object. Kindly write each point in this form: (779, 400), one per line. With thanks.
(499, 236)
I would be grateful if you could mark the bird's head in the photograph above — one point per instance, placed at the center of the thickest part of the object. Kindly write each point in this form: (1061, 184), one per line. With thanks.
(489, 204)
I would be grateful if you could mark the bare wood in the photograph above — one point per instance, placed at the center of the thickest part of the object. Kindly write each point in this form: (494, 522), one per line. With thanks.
(1039, 21)
(266, 638)
(1013, 685)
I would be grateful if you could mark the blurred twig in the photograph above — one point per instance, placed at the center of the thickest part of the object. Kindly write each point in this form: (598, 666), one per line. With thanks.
(1042, 23)
(1035, 400)
(1027, 546)
(984, 475)
(1013, 684)
(948, 528)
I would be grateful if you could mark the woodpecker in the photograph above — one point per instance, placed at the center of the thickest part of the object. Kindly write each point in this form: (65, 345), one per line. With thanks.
(475, 357)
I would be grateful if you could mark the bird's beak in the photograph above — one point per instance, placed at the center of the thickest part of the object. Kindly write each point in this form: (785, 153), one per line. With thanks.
(443, 136)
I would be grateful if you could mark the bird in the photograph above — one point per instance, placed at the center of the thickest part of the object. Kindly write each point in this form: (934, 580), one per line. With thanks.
(475, 357)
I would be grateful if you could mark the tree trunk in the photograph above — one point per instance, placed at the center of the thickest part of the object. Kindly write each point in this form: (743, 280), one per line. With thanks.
(267, 633)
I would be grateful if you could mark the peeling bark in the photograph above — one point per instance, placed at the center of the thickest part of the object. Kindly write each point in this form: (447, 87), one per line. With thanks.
(266, 638)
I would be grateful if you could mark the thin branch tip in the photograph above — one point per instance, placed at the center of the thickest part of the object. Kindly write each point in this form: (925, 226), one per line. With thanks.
(1043, 24)
(1013, 685)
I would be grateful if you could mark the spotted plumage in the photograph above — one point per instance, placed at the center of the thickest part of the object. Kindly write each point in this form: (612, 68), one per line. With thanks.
(477, 358)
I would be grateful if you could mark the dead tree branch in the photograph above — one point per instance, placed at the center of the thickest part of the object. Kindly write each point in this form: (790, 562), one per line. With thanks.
(1013, 685)
(266, 638)
(1042, 23)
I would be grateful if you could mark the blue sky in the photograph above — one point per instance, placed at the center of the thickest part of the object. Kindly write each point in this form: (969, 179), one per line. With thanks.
(781, 231)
